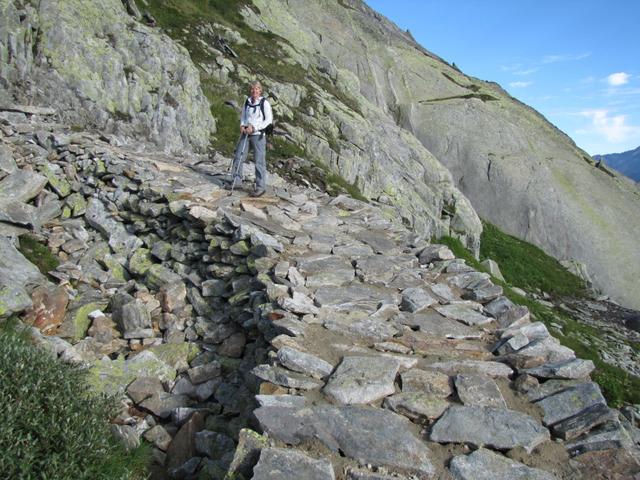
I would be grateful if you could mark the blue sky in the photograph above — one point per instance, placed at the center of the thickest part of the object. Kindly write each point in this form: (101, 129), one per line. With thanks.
(576, 62)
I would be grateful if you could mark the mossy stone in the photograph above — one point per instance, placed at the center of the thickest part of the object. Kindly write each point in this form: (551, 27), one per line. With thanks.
(177, 355)
(77, 321)
(140, 262)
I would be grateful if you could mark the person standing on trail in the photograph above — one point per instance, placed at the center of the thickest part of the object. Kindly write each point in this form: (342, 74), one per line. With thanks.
(256, 117)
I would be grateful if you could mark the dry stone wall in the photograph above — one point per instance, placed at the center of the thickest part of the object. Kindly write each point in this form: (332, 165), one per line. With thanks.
(294, 335)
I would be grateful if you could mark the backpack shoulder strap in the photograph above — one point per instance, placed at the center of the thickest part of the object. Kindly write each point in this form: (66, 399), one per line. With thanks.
(262, 107)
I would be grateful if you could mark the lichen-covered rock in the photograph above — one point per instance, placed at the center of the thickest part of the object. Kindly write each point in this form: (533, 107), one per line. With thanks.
(100, 69)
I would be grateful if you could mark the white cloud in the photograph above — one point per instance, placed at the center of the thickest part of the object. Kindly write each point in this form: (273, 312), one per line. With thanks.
(564, 58)
(617, 79)
(519, 84)
(527, 71)
(613, 128)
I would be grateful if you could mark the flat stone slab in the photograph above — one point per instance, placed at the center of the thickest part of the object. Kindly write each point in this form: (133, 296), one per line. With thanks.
(479, 390)
(416, 299)
(285, 378)
(380, 269)
(487, 465)
(326, 270)
(362, 379)
(279, 463)
(21, 186)
(492, 369)
(462, 313)
(357, 296)
(426, 382)
(416, 406)
(570, 402)
(497, 428)
(589, 418)
(569, 369)
(435, 325)
(609, 437)
(370, 435)
(304, 362)
(549, 388)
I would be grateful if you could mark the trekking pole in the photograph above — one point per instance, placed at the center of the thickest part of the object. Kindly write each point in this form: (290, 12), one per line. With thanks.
(238, 166)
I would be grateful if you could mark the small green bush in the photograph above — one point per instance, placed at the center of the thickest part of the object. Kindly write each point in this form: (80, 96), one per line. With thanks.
(52, 427)
(37, 254)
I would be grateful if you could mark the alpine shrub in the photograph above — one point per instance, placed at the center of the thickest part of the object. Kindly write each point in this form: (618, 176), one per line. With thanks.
(52, 427)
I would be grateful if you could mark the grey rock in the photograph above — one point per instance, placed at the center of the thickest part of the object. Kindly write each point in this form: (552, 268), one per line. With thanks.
(119, 239)
(13, 299)
(497, 428)
(435, 253)
(159, 276)
(144, 387)
(280, 376)
(360, 324)
(279, 463)
(416, 405)
(21, 186)
(135, 320)
(584, 421)
(247, 453)
(486, 465)
(443, 293)
(300, 303)
(493, 268)
(492, 369)
(362, 379)
(416, 299)
(213, 444)
(380, 269)
(546, 350)
(463, 313)
(484, 292)
(7, 162)
(368, 475)
(609, 436)
(203, 373)
(426, 382)
(356, 296)
(158, 436)
(294, 401)
(479, 390)
(568, 369)
(435, 325)
(515, 316)
(161, 404)
(380, 242)
(468, 280)
(213, 288)
(369, 435)
(550, 387)
(570, 402)
(303, 363)
(498, 306)
(15, 269)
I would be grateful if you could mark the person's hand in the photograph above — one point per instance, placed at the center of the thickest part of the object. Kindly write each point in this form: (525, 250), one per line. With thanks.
(242, 128)
(250, 129)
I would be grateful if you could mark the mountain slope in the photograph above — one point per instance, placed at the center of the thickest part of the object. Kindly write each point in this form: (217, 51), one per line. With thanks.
(518, 170)
(627, 163)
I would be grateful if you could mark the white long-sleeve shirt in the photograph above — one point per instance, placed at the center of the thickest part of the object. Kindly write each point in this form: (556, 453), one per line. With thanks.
(252, 115)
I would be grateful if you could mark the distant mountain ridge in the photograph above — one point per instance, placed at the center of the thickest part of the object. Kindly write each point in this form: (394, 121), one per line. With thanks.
(627, 162)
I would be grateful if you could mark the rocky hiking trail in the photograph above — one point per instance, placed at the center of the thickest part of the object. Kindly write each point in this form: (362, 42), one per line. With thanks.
(296, 335)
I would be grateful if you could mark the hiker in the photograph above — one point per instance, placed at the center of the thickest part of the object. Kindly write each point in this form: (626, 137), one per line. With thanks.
(256, 117)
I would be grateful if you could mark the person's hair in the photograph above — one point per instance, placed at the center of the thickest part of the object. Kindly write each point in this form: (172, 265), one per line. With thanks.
(256, 83)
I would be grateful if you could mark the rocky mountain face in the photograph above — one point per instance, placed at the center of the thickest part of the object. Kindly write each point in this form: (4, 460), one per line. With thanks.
(100, 68)
(519, 172)
(627, 163)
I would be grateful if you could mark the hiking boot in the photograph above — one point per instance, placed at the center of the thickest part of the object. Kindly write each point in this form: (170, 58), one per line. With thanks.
(257, 193)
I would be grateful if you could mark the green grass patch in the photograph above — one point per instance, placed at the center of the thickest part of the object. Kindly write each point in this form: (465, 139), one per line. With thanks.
(526, 265)
(37, 253)
(284, 149)
(52, 427)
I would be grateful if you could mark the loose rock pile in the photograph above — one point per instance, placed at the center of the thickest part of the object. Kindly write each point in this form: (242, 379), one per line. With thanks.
(357, 349)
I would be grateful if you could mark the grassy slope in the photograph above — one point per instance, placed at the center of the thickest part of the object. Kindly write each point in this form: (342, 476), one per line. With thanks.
(527, 266)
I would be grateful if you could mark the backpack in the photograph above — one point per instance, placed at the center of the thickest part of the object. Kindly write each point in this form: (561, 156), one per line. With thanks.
(268, 130)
